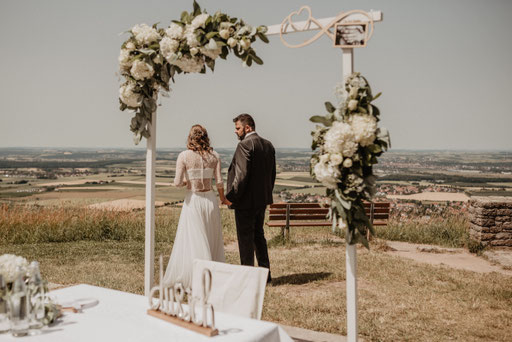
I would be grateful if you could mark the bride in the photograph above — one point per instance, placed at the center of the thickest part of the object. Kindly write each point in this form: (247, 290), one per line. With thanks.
(199, 233)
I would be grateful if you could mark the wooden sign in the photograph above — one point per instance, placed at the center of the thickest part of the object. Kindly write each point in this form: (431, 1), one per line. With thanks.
(170, 305)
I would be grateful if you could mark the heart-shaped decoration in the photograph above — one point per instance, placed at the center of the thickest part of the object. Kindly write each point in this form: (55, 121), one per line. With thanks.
(297, 14)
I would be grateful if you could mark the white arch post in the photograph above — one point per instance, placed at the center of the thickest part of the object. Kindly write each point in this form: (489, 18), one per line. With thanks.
(149, 250)
(324, 25)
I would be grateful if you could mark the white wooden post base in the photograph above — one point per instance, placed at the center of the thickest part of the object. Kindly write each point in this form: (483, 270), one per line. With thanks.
(149, 255)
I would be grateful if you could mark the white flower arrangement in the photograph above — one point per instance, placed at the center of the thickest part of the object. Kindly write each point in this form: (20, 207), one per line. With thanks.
(346, 147)
(141, 70)
(129, 96)
(9, 264)
(144, 34)
(151, 57)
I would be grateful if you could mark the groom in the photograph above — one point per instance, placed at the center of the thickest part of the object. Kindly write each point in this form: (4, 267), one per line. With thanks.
(251, 178)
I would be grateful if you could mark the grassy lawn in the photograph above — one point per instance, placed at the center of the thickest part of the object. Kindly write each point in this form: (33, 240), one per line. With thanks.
(399, 300)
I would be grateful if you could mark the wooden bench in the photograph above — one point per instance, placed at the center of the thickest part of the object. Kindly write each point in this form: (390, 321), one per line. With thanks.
(286, 215)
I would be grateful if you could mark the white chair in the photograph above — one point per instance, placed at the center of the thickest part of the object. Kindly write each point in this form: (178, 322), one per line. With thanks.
(237, 290)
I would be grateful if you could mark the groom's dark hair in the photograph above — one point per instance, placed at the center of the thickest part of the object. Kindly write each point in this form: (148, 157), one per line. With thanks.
(245, 119)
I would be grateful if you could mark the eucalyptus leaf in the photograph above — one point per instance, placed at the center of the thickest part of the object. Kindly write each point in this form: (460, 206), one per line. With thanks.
(377, 96)
(330, 108)
(262, 37)
(321, 119)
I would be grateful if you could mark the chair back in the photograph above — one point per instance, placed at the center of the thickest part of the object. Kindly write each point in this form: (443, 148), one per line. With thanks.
(235, 289)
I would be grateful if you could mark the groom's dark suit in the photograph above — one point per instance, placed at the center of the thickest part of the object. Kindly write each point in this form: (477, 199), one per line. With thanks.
(251, 179)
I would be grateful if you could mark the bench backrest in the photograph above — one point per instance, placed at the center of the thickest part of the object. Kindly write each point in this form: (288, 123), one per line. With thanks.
(315, 211)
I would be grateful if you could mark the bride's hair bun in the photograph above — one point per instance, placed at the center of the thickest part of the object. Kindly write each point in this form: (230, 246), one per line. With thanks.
(198, 139)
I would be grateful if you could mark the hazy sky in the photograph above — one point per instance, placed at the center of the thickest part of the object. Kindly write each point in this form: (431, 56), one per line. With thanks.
(444, 68)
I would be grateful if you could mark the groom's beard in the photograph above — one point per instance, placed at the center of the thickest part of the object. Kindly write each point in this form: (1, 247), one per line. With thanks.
(241, 137)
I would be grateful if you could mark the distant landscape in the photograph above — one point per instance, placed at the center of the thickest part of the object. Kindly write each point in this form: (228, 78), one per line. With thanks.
(415, 181)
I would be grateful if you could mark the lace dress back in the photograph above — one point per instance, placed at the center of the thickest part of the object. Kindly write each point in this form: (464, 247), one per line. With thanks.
(198, 170)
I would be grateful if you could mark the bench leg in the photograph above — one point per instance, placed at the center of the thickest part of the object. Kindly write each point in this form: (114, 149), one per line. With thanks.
(282, 232)
(288, 232)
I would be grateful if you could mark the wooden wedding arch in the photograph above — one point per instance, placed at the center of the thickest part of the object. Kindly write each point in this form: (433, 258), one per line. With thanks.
(329, 28)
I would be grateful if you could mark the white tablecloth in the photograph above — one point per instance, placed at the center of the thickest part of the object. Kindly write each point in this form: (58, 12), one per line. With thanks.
(121, 316)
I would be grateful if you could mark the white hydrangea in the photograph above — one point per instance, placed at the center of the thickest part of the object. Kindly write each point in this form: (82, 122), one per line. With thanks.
(336, 158)
(125, 62)
(190, 36)
(128, 95)
(340, 139)
(168, 47)
(145, 34)
(327, 174)
(9, 264)
(175, 31)
(199, 21)
(189, 64)
(141, 70)
(364, 127)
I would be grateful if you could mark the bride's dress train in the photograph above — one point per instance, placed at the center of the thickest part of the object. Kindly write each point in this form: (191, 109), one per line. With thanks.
(199, 233)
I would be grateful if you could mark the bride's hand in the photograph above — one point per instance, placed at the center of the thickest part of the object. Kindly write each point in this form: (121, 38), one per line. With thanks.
(226, 202)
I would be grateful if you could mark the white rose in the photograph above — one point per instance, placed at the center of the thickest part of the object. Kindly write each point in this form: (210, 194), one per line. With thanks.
(245, 44)
(324, 158)
(130, 46)
(158, 59)
(353, 92)
(336, 159)
(232, 42)
(145, 34)
(347, 163)
(174, 31)
(225, 25)
(352, 104)
(364, 127)
(128, 95)
(124, 59)
(141, 70)
(194, 51)
(200, 20)
(168, 47)
(224, 34)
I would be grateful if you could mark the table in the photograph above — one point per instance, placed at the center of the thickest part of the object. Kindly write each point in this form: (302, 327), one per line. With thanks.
(121, 316)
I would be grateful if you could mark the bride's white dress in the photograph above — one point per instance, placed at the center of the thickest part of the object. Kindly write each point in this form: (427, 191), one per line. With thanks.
(199, 233)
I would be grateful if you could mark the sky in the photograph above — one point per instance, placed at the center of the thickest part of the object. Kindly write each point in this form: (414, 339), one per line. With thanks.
(444, 68)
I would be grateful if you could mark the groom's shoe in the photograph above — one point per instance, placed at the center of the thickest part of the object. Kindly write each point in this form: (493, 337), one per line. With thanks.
(269, 278)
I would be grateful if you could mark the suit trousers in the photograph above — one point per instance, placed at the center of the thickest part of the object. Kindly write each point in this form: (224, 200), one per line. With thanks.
(251, 237)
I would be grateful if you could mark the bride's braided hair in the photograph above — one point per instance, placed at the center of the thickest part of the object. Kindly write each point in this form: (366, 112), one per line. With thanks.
(198, 140)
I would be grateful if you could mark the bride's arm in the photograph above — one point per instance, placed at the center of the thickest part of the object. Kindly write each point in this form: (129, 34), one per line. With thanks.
(179, 178)
(219, 181)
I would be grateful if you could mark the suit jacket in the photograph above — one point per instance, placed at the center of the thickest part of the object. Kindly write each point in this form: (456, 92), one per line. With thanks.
(252, 173)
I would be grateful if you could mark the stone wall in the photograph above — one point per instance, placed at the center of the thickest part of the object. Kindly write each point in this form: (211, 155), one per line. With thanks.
(491, 221)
